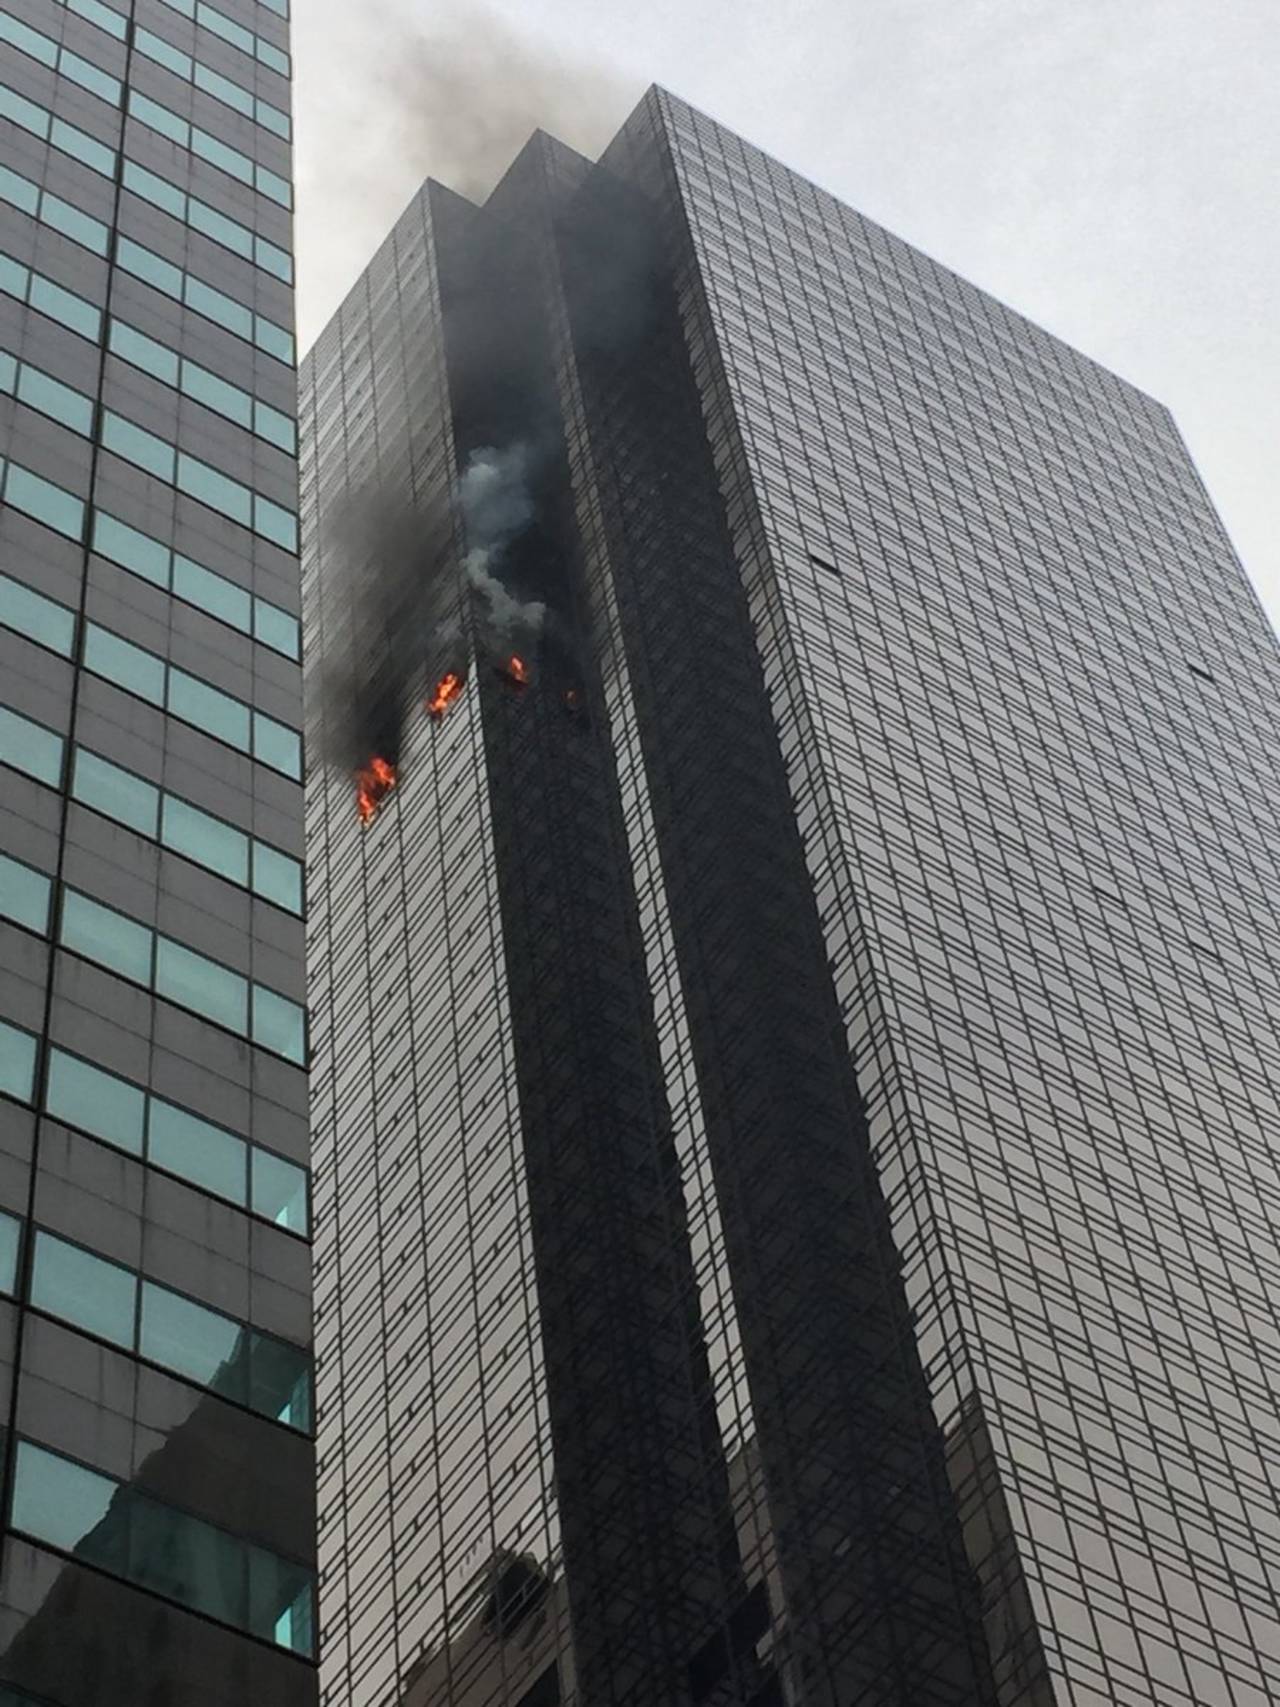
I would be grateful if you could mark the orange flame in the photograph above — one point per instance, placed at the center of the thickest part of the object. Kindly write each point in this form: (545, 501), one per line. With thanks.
(450, 686)
(518, 671)
(374, 783)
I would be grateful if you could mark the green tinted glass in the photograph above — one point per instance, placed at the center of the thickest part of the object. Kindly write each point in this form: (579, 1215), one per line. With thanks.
(197, 1150)
(96, 1101)
(84, 1289)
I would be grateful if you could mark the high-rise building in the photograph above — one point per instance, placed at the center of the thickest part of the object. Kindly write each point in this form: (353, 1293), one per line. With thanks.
(158, 1464)
(795, 1074)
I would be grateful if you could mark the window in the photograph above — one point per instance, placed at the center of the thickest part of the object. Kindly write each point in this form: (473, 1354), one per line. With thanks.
(123, 1115)
(64, 1504)
(24, 895)
(224, 310)
(44, 502)
(277, 877)
(276, 628)
(116, 793)
(206, 840)
(206, 1154)
(89, 76)
(10, 1240)
(152, 269)
(209, 708)
(137, 446)
(217, 490)
(143, 352)
(202, 985)
(163, 52)
(73, 222)
(103, 16)
(30, 747)
(132, 550)
(39, 618)
(216, 394)
(51, 397)
(277, 746)
(103, 935)
(85, 1290)
(17, 1062)
(152, 114)
(122, 662)
(66, 307)
(201, 1344)
(275, 523)
(279, 1024)
(275, 427)
(83, 1095)
(213, 593)
(83, 147)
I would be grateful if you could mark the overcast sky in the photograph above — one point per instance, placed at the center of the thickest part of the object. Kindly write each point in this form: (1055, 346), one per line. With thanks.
(1109, 167)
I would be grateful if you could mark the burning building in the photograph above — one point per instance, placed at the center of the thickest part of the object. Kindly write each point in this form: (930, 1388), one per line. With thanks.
(759, 1218)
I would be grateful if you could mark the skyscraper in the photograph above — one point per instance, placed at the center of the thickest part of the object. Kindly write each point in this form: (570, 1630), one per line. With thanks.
(154, 1222)
(793, 1000)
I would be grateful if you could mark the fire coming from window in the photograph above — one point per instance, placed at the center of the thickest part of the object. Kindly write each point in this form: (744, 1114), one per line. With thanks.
(450, 686)
(374, 783)
(515, 670)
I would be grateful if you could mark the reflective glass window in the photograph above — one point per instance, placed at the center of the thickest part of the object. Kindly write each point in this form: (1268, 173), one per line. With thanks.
(120, 661)
(30, 41)
(51, 397)
(275, 340)
(207, 840)
(17, 1062)
(134, 346)
(23, 112)
(209, 709)
(117, 793)
(101, 934)
(211, 19)
(217, 153)
(86, 1290)
(90, 76)
(55, 1500)
(103, 16)
(215, 393)
(273, 119)
(202, 985)
(10, 1239)
(83, 147)
(277, 877)
(151, 113)
(138, 446)
(24, 895)
(66, 307)
(279, 1024)
(44, 502)
(277, 428)
(152, 269)
(223, 89)
(158, 191)
(199, 1343)
(275, 523)
(133, 550)
(18, 191)
(30, 747)
(272, 185)
(163, 52)
(272, 260)
(212, 593)
(280, 1381)
(220, 228)
(73, 222)
(216, 306)
(217, 490)
(276, 628)
(85, 1096)
(277, 746)
(199, 1151)
(39, 618)
(279, 1191)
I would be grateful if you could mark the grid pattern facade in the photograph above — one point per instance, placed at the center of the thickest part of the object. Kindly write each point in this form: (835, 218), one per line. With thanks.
(874, 972)
(158, 1461)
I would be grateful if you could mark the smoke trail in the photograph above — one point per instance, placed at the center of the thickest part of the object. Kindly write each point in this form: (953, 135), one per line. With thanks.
(400, 92)
(497, 505)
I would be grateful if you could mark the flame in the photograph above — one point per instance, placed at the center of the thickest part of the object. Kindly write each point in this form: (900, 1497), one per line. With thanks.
(517, 670)
(450, 686)
(374, 783)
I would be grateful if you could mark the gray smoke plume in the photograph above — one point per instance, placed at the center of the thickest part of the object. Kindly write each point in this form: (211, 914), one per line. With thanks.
(410, 89)
(497, 505)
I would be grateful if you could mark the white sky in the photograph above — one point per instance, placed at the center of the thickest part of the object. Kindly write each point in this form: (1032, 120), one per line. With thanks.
(1109, 167)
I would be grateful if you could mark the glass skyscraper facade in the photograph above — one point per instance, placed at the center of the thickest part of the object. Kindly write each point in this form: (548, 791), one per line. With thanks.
(158, 1464)
(794, 1053)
